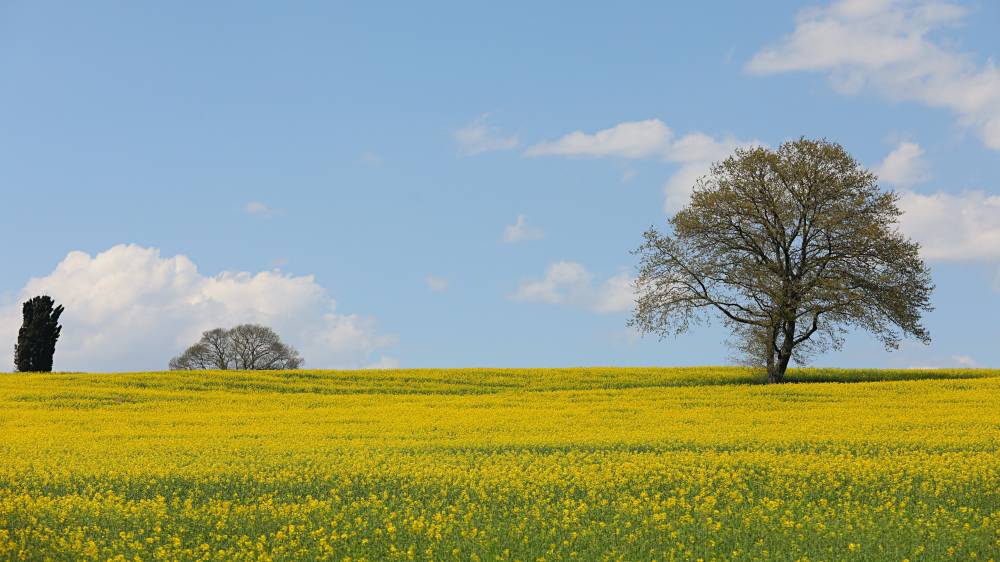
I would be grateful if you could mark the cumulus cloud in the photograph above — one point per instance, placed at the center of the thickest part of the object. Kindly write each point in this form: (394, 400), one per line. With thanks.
(961, 226)
(479, 136)
(437, 284)
(904, 166)
(693, 153)
(571, 284)
(953, 227)
(521, 231)
(130, 308)
(886, 46)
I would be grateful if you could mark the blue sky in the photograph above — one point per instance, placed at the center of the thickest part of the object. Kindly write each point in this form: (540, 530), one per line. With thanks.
(427, 185)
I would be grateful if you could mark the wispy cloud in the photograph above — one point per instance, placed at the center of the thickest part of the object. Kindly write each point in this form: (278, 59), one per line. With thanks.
(965, 361)
(886, 46)
(479, 136)
(630, 139)
(569, 283)
(693, 153)
(521, 231)
(258, 209)
(437, 284)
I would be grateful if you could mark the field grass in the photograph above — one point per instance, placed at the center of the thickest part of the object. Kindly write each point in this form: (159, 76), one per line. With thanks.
(478, 464)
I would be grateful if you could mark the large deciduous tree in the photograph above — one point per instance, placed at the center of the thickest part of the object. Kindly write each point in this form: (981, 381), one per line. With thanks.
(245, 347)
(36, 340)
(791, 248)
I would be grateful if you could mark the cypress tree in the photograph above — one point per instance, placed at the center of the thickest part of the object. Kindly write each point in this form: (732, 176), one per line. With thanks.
(36, 340)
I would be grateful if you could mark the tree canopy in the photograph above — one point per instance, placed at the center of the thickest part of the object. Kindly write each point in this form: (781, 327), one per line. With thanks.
(791, 248)
(247, 347)
(36, 340)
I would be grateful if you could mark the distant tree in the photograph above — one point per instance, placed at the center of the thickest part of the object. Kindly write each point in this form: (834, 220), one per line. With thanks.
(245, 347)
(36, 340)
(791, 248)
(213, 351)
(217, 348)
(258, 347)
(195, 357)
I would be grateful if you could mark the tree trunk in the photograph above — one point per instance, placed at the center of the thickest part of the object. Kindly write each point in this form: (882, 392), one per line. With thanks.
(772, 369)
(777, 375)
(776, 366)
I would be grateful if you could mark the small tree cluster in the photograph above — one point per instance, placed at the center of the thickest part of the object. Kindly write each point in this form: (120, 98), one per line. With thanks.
(36, 340)
(247, 347)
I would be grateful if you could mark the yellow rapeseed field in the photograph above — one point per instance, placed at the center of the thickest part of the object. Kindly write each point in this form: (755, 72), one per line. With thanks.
(587, 464)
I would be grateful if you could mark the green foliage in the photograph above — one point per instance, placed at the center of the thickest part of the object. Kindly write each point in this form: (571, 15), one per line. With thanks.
(36, 340)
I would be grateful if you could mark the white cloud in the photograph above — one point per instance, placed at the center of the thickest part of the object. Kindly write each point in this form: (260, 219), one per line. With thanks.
(940, 362)
(904, 166)
(384, 363)
(569, 283)
(949, 226)
(130, 308)
(694, 153)
(521, 231)
(885, 45)
(437, 284)
(259, 209)
(965, 361)
(479, 136)
(629, 175)
(952, 227)
(630, 139)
